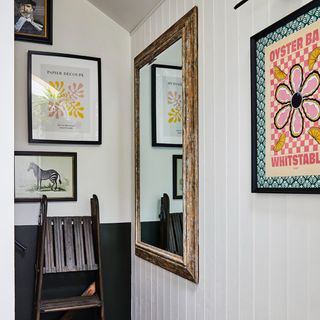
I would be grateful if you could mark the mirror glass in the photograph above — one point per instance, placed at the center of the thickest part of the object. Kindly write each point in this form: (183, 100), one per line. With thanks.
(161, 132)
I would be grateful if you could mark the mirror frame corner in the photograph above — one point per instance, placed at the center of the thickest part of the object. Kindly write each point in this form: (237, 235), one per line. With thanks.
(186, 266)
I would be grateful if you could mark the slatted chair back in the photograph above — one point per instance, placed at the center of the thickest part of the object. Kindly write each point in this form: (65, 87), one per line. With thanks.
(177, 230)
(164, 212)
(69, 245)
(171, 228)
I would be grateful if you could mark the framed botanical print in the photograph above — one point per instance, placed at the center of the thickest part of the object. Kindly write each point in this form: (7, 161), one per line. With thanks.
(51, 173)
(64, 98)
(33, 21)
(167, 105)
(286, 104)
(177, 177)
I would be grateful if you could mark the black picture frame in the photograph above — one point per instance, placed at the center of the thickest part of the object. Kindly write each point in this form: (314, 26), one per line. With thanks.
(42, 16)
(97, 112)
(175, 178)
(155, 139)
(57, 181)
(290, 27)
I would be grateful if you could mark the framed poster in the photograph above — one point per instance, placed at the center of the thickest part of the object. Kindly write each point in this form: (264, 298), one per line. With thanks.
(167, 105)
(33, 21)
(286, 104)
(177, 181)
(51, 173)
(64, 98)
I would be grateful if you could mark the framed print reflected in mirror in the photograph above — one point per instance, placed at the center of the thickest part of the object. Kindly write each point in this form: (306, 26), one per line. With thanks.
(166, 95)
(177, 176)
(64, 98)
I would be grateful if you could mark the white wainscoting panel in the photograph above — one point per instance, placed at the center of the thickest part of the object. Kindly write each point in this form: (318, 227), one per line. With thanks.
(259, 253)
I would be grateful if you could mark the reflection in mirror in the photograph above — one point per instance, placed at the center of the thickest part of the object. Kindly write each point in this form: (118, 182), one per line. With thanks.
(166, 149)
(161, 114)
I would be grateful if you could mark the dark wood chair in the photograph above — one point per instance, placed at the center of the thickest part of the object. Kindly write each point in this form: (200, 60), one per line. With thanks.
(68, 244)
(171, 228)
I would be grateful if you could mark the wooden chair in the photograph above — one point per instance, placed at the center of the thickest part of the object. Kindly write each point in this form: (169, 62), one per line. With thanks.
(171, 228)
(68, 244)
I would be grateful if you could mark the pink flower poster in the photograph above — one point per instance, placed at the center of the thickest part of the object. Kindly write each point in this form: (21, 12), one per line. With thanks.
(286, 104)
(292, 105)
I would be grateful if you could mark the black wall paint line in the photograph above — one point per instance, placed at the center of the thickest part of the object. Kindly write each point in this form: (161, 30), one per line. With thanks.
(116, 266)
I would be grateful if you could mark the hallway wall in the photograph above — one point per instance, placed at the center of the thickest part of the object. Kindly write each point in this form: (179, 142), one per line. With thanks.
(80, 28)
(259, 253)
(7, 147)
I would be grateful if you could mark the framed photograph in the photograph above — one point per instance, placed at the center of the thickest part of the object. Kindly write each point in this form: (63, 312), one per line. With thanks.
(33, 21)
(177, 182)
(51, 173)
(167, 105)
(285, 83)
(64, 98)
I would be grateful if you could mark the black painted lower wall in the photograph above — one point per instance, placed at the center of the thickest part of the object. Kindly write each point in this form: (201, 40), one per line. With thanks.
(150, 233)
(116, 267)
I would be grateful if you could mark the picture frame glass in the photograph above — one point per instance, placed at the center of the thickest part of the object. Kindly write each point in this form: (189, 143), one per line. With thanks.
(64, 98)
(167, 105)
(177, 177)
(38, 173)
(33, 20)
(286, 104)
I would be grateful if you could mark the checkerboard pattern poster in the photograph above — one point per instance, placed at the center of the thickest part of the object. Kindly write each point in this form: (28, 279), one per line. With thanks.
(292, 104)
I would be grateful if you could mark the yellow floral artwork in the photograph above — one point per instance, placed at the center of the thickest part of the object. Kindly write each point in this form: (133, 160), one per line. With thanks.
(75, 110)
(62, 102)
(175, 101)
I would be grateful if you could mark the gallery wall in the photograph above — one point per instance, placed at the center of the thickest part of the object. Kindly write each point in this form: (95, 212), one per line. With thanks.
(259, 253)
(7, 147)
(106, 170)
(80, 28)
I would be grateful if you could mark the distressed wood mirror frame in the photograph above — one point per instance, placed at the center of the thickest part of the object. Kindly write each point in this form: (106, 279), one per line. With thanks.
(187, 265)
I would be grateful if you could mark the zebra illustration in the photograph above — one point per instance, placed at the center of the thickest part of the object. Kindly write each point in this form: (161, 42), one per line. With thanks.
(40, 175)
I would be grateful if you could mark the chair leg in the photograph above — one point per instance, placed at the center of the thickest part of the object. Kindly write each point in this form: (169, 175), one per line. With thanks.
(101, 312)
(99, 315)
(37, 314)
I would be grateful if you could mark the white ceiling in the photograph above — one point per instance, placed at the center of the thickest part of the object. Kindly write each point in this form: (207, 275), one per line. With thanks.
(127, 13)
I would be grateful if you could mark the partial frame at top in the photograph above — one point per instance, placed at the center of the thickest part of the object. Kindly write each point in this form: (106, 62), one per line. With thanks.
(33, 21)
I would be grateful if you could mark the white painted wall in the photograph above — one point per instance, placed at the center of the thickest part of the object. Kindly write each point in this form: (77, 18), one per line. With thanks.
(7, 148)
(80, 28)
(259, 253)
(155, 162)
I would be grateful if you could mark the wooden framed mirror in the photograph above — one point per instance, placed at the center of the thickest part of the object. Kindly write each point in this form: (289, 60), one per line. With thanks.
(166, 149)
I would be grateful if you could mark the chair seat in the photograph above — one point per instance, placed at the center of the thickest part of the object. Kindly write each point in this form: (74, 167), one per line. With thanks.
(72, 303)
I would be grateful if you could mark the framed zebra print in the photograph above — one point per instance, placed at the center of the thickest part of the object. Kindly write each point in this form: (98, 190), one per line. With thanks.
(64, 98)
(51, 173)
